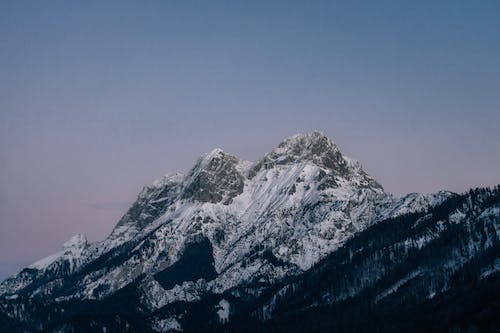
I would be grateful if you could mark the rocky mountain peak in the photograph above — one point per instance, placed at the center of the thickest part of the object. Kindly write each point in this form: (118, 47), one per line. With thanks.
(317, 149)
(314, 147)
(214, 178)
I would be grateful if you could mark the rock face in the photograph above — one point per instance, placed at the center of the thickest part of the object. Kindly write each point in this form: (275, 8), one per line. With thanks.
(234, 242)
(215, 178)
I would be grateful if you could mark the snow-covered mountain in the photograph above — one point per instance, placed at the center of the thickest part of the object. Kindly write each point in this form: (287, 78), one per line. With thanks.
(215, 242)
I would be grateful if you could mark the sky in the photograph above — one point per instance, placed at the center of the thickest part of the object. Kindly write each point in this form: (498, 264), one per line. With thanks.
(99, 98)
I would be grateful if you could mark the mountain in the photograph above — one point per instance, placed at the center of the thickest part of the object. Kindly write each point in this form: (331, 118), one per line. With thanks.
(302, 239)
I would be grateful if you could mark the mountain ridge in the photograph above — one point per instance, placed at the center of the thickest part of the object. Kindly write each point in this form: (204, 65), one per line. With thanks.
(227, 227)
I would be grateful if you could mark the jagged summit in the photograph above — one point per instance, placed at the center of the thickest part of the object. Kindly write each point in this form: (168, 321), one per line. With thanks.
(315, 147)
(306, 140)
(303, 165)
(219, 177)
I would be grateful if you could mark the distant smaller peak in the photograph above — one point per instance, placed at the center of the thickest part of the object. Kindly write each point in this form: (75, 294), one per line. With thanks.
(78, 241)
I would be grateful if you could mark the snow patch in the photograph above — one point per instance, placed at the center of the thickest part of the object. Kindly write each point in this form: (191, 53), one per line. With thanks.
(223, 310)
(396, 286)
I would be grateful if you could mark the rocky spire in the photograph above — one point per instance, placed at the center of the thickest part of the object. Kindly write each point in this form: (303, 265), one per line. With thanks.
(215, 178)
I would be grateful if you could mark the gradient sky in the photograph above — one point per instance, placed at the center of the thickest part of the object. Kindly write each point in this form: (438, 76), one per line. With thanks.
(99, 98)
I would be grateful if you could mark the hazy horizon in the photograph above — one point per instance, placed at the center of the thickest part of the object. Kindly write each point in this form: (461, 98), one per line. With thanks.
(99, 99)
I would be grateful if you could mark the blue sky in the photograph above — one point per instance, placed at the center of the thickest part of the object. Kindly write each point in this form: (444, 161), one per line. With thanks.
(97, 98)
